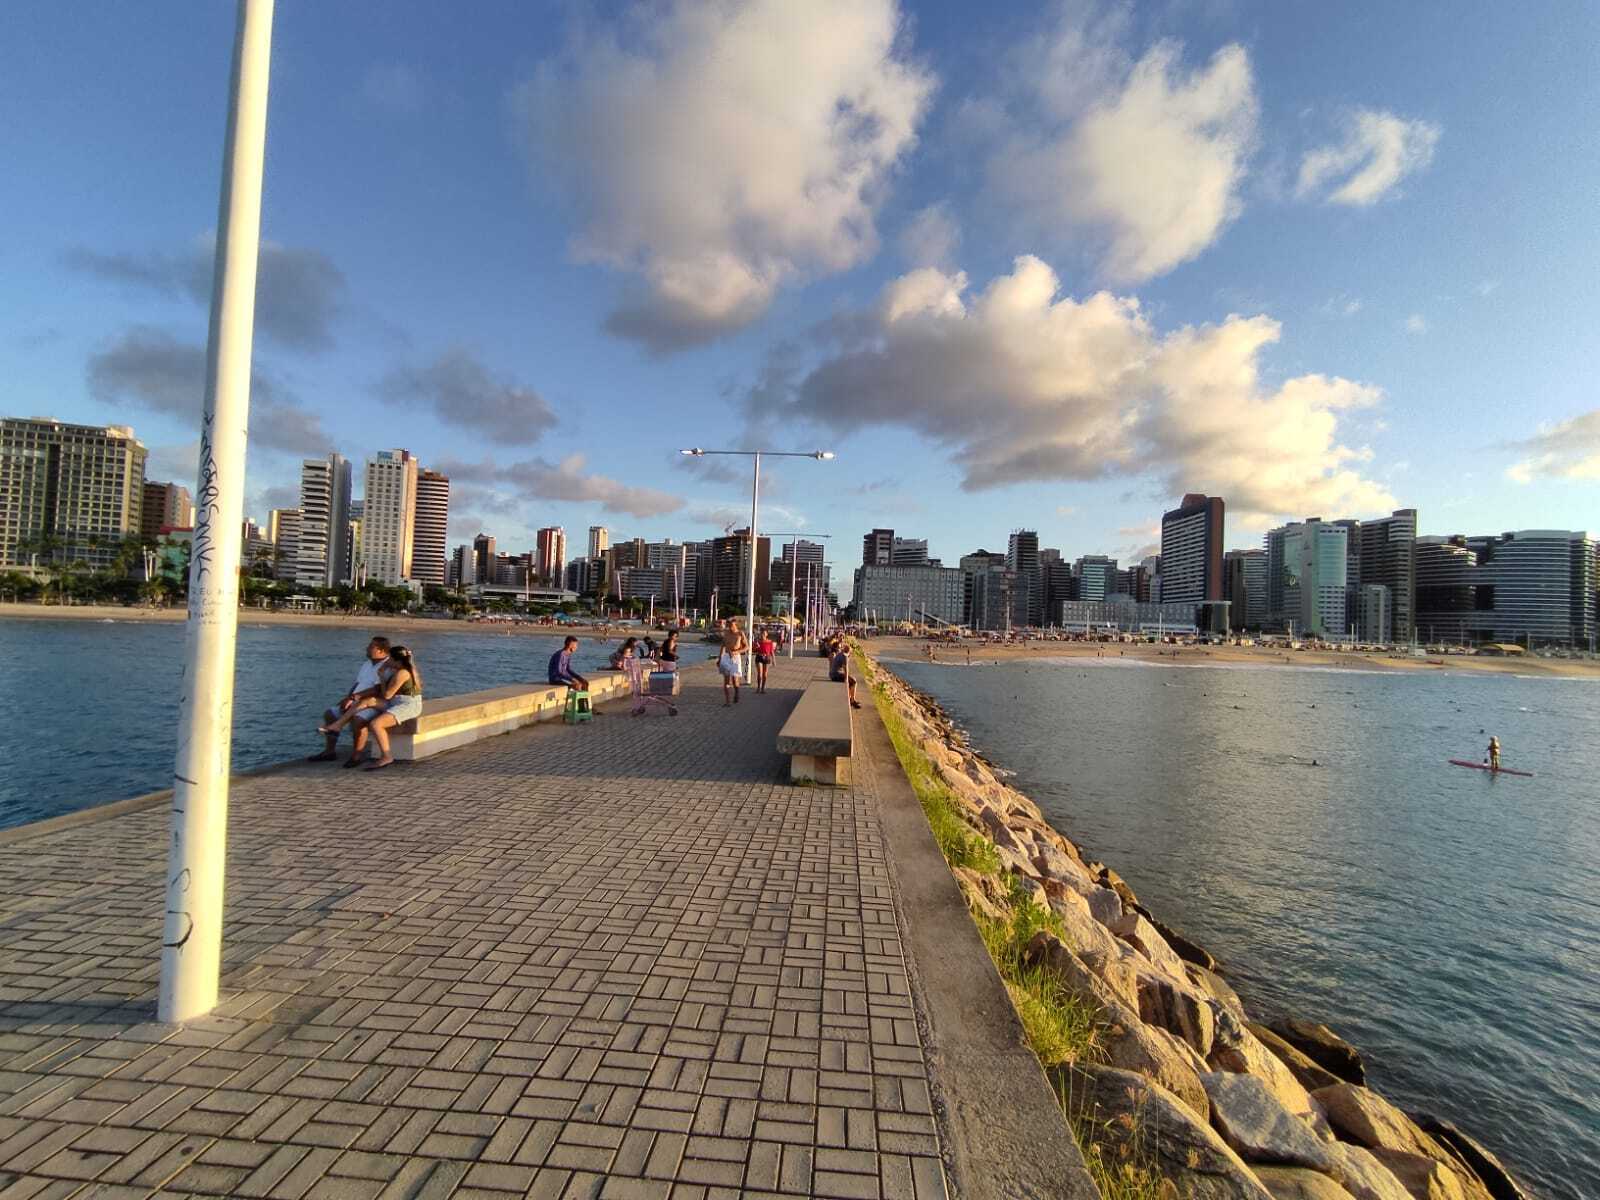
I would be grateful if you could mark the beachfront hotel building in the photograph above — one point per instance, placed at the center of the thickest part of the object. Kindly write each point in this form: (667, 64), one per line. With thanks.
(430, 528)
(1307, 576)
(283, 531)
(1191, 551)
(166, 506)
(80, 486)
(388, 516)
(550, 555)
(322, 553)
(911, 593)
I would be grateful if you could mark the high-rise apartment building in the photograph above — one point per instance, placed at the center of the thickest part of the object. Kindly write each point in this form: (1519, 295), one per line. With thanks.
(599, 540)
(1245, 572)
(731, 569)
(800, 562)
(877, 548)
(1388, 558)
(483, 557)
(1307, 572)
(430, 528)
(909, 552)
(1191, 551)
(166, 506)
(550, 555)
(322, 555)
(82, 486)
(921, 594)
(986, 590)
(389, 516)
(1022, 559)
(462, 571)
(283, 531)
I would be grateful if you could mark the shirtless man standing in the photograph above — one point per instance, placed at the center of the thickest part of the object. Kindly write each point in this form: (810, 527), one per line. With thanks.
(734, 644)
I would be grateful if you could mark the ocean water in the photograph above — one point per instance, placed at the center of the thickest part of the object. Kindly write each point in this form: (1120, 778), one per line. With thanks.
(1303, 826)
(91, 708)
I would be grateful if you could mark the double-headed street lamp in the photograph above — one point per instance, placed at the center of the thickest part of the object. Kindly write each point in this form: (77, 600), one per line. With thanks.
(755, 509)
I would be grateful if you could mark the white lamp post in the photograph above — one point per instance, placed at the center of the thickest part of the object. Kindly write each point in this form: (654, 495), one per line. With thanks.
(191, 940)
(755, 509)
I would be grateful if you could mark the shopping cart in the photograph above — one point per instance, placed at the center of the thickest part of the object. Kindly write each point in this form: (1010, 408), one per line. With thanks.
(652, 683)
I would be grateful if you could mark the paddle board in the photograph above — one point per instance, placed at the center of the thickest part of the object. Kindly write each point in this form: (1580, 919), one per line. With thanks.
(1461, 762)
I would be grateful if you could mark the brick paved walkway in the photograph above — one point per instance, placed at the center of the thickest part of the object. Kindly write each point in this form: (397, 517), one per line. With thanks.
(619, 960)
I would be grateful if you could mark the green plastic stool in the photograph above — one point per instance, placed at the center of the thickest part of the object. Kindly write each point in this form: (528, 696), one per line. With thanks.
(577, 707)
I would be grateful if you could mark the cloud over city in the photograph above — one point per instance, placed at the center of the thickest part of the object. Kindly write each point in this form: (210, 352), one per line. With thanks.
(152, 370)
(300, 293)
(1147, 156)
(1020, 382)
(1377, 151)
(488, 483)
(718, 154)
(1567, 449)
(458, 389)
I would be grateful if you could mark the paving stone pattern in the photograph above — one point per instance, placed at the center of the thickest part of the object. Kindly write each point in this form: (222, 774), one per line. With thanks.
(623, 959)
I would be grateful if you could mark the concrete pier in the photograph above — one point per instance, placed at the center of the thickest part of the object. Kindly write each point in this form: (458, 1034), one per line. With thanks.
(624, 959)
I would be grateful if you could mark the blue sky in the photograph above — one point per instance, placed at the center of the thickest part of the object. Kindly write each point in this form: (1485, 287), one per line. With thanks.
(1047, 268)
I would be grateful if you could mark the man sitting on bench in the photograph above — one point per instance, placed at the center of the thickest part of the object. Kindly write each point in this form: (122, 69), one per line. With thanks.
(839, 670)
(561, 667)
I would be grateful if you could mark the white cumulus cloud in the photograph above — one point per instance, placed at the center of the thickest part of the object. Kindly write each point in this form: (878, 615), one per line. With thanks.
(1378, 150)
(722, 150)
(1021, 383)
(1148, 155)
(1565, 450)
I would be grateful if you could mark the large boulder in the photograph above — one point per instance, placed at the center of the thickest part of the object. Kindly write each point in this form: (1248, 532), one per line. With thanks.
(1215, 986)
(1236, 1049)
(1362, 1116)
(1185, 949)
(1252, 1121)
(1364, 1177)
(1080, 930)
(1177, 1007)
(1055, 863)
(1310, 1075)
(1118, 971)
(1297, 1183)
(1148, 1123)
(1105, 906)
(1324, 1047)
(981, 892)
(1119, 885)
(1429, 1179)
(1491, 1172)
(1142, 936)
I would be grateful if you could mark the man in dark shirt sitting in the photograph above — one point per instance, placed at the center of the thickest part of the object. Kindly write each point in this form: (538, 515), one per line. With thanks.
(561, 667)
(839, 670)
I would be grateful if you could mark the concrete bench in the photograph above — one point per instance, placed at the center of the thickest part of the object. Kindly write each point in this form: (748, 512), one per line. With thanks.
(816, 737)
(452, 721)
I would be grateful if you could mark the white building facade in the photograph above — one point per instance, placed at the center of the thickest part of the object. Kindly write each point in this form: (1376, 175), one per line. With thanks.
(388, 516)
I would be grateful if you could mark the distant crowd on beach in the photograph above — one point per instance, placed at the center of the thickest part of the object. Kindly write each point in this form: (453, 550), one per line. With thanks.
(387, 689)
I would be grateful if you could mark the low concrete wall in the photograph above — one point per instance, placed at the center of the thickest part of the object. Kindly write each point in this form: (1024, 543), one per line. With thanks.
(456, 721)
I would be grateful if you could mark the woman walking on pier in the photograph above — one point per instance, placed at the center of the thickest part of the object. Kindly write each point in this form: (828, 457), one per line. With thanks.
(765, 652)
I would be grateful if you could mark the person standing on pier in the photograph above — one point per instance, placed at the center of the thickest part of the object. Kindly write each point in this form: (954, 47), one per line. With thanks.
(733, 645)
(365, 687)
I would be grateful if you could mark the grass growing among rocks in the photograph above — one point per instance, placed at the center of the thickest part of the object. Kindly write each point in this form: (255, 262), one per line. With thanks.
(1060, 1027)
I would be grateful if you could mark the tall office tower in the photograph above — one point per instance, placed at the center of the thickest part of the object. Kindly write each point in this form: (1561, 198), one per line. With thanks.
(1191, 551)
(430, 528)
(166, 506)
(1389, 557)
(1096, 575)
(908, 552)
(75, 484)
(1537, 586)
(877, 548)
(1447, 589)
(462, 571)
(322, 556)
(550, 548)
(599, 540)
(1246, 575)
(1060, 585)
(731, 570)
(800, 562)
(483, 558)
(985, 589)
(389, 516)
(283, 531)
(1022, 558)
(1306, 574)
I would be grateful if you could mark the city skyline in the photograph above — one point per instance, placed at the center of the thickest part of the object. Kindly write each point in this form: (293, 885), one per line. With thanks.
(1372, 289)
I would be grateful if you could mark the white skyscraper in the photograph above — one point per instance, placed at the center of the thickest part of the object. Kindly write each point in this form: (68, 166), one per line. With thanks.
(322, 556)
(389, 515)
(430, 528)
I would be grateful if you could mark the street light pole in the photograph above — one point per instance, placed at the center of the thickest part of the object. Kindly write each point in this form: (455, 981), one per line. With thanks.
(191, 940)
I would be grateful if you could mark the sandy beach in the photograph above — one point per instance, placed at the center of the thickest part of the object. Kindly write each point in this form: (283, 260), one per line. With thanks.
(1254, 656)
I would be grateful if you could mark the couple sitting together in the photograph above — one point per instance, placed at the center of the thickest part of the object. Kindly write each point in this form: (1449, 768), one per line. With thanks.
(387, 691)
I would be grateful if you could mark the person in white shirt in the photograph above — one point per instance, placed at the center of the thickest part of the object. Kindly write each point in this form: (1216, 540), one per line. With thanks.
(366, 685)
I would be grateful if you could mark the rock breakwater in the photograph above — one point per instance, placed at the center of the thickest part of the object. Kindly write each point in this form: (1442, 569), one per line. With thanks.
(1170, 1088)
